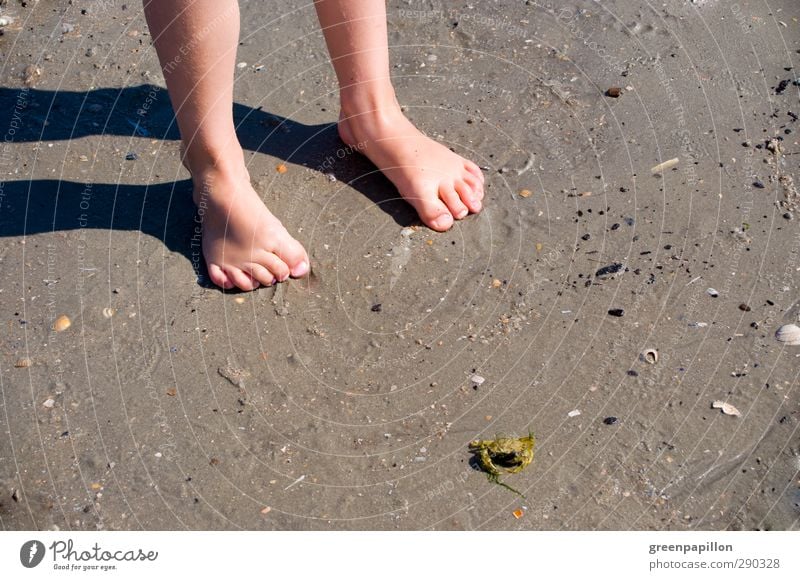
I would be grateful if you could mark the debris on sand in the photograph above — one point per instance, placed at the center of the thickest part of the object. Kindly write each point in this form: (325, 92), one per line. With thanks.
(23, 363)
(662, 167)
(31, 74)
(618, 312)
(650, 356)
(726, 408)
(518, 513)
(235, 375)
(503, 455)
(608, 270)
(62, 323)
(610, 420)
(712, 292)
(281, 168)
(613, 92)
(477, 380)
(573, 413)
(525, 193)
(788, 334)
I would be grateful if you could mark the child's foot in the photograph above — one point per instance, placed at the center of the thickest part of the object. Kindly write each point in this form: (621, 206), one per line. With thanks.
(441, 185)
(243, 243)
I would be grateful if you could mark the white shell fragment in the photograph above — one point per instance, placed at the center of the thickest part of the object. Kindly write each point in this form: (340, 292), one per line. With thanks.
(650, 356)
(661, 167)
(573, 413)
(726, 408)
(788, 334)
(109, 312)
(712, 292)
(477, 380)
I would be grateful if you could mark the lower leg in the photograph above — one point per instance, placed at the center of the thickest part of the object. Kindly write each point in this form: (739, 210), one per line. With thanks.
(243, 243)
(438, 183)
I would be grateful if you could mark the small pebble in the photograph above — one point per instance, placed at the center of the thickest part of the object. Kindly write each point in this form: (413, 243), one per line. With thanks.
(610, 420)
(614, 92)
(131, 157)
(758, 185)
(377, 307)
(744, 307)
(712, 292)
(48, 404)
(618, 312)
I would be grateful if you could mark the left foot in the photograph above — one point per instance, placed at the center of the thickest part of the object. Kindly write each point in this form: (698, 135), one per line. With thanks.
(441, 185)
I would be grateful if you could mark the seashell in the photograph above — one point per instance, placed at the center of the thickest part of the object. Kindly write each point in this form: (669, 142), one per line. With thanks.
(788, 334)
(712, 292)
(661, 167)
(477, 380)
(650, 356)
(109, 312)
(23, 363)
(727, 408)
(62, 323)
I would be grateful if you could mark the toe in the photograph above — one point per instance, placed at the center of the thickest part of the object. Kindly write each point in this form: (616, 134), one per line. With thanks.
(432, 211)
(219, 277)
(475, 185)
(279, 269)
(242, 280)
(293, 255)
(260, 274)
(474, 170)
(452, 199)
(468, 194)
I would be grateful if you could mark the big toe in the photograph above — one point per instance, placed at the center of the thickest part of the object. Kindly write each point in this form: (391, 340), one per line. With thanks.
(292, 253)
(433, 212)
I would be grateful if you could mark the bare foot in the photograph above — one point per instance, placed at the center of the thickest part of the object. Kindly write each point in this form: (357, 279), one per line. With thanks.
(441, 185)
(243, 243)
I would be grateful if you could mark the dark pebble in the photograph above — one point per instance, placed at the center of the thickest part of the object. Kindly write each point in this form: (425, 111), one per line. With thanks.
(758, 185)
(618, 312)
(782, 86)
(131, 157)
(585, 237)
(610, 420)
(615, 92)
(630, 221)
(377, 307)
(744, 308)
(614, 227)
(632, 373)
(787, 216)
(610, 269)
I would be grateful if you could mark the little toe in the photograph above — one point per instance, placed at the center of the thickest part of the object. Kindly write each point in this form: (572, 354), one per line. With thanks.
(468, 195)
(261, 274)
(453, 201)
(219, 277)
(242, 280)
(474, 170)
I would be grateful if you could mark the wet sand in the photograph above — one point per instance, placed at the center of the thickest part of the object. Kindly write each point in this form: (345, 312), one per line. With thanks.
(168, 404)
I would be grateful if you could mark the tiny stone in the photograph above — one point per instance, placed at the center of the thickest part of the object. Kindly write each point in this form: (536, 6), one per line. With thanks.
(618, 312)
(131, 157)
(377, 307)
(610, 420)
(613, 92)
(758, 185)
(744, 308)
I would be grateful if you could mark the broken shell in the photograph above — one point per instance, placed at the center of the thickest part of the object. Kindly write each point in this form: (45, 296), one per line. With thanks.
(109, 312)
(650, 356)
(48, 404)
(477, 380)
(62, 323)
(788, 334)
(525, 193)
(712, 292)
(661, 167)
(23, 363)
(727, 408)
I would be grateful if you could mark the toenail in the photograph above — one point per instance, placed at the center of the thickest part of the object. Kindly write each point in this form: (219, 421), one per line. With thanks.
(463, 213)
(442, 221)
(302, 269)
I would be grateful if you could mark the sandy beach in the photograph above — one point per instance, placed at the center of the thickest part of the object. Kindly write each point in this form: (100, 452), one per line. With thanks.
(597, 303)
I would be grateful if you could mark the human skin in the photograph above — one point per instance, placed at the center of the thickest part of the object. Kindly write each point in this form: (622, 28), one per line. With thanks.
(244, 244)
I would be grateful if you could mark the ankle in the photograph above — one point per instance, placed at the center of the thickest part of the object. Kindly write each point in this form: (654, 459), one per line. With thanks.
(367, 99)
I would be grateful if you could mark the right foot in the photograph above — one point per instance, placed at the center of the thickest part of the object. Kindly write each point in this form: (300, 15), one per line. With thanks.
(244, 245)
